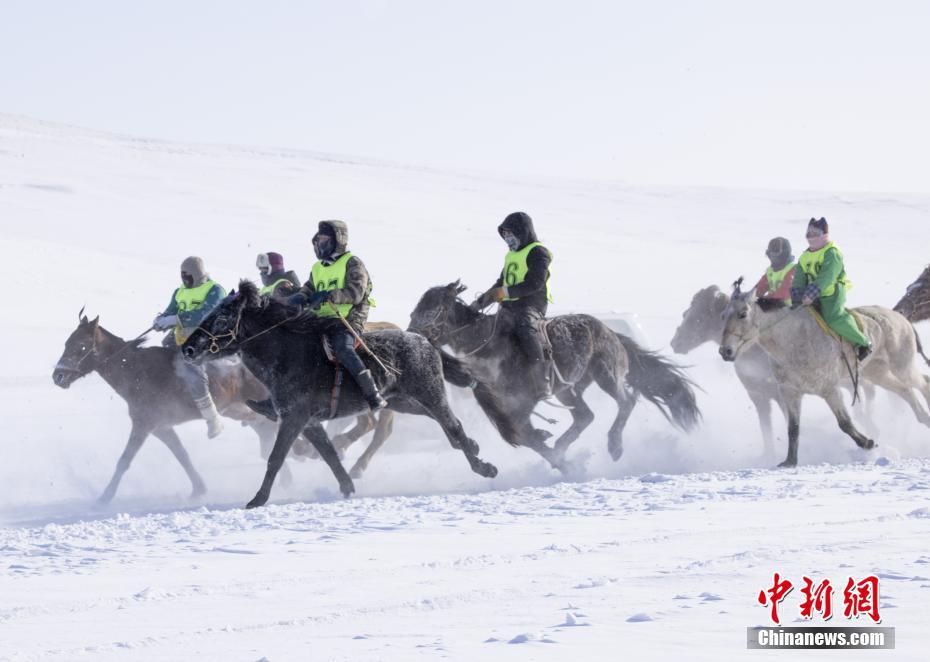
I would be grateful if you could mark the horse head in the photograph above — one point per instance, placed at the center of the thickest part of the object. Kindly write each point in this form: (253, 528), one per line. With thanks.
(702, 321)
(220, 332)
(915, 304)
(739, 325)
(80, 356)
(434, 311)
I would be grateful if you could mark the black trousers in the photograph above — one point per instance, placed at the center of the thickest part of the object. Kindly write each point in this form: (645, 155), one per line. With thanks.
(343, 344)
(527, 332)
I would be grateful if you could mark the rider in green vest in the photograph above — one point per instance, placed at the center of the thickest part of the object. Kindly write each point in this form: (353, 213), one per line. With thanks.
(523, 293)
(777, 280)
(276, 282)
(189, 304)
(339, 286)
(821, 282)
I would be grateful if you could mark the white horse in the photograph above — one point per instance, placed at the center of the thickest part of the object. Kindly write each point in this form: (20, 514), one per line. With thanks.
(808, 361)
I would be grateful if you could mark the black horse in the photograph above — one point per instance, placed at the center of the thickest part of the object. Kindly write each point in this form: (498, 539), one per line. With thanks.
(144, 377)
(284, 349)
(584, 349)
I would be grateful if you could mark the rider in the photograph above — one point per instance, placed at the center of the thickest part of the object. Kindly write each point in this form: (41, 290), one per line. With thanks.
(276, 282)
(190, 303)
(821, 281)
(523, 291)
(339, 286)
(776, 283)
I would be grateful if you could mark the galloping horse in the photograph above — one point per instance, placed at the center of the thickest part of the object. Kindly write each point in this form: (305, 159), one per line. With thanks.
(144, 377)
(584, 350)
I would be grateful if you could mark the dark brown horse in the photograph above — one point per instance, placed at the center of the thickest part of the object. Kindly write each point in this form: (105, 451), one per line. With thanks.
(915, 304)
(144, 377)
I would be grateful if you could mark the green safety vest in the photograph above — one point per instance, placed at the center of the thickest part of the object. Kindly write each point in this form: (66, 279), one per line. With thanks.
(268, 290)
(188, 299)
(326, 277)
(515, 268)
(812, 261)
(776, 278)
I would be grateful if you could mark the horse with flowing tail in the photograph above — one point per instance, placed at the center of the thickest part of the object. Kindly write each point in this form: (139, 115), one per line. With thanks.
(808, 361)
(145, 378)
(703, 323)
(286, 353)
(584, 351)
(915, 304)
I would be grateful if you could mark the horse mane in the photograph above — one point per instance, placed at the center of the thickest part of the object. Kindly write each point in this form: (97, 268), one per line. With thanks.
(271, 311)
(767, 305)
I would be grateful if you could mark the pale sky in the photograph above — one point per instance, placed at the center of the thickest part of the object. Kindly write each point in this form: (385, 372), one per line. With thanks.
(816, 95)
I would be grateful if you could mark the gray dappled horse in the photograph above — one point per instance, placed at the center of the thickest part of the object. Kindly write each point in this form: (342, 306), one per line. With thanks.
(807, 361)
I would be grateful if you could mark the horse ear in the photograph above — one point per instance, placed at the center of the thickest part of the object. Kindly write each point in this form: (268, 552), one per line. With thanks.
(82, 318)
(736, 286)
(454, 287)
(95, 322)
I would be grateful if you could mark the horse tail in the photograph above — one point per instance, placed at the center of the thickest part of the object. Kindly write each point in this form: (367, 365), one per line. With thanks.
(456, 372)
(663, 383)
(920, 348)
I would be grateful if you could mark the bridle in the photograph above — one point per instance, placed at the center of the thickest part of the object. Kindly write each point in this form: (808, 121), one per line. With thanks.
(441, 319)
(233, 333)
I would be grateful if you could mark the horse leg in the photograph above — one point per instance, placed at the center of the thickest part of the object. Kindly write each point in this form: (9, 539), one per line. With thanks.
(290, 427)
(625, 400)
(835, 401)
(136, 436)
(608, 379)
(383, 430)
(891, 382)
(170, 438)
(763, 405)
(582, 417)
(364, 424)
(792, 400)
(315, 433)
(455, 433)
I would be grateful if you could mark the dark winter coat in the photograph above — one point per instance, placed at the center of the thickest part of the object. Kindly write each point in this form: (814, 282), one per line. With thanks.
(531, 293)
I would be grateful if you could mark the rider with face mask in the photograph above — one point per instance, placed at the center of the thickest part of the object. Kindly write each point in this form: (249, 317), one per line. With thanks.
(777, 280)
(523, 291)
(276, 282)
(339, 286)
(821, 281)
(189, 304)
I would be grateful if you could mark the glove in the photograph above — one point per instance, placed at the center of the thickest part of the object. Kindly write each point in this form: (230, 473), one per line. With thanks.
(317, 299)
(476, 305)
(164, 322)
(299, 300)
(495, 294)
(811, 294)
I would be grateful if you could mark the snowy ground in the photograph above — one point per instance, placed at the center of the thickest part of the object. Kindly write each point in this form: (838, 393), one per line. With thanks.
(429, 559)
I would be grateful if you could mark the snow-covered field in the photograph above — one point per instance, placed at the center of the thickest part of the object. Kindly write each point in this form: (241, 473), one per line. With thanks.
(658, 556)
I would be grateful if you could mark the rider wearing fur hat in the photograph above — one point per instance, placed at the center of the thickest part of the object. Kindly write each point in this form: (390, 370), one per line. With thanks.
(522, 289)
(276, 282)
(189, 305)
(821, 281)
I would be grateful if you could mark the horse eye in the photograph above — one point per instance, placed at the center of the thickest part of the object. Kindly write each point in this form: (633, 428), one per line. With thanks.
(742, 316)
(83, 348)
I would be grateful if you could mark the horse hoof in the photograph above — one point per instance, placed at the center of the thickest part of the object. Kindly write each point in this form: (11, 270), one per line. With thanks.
(616, 453)
(347, 490)
(355, 473)
(198, 492)
(257, 502)
(788, 464)
(488, 470)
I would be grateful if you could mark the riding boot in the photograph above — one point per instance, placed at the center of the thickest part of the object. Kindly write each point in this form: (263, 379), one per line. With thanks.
(210, 415)
(263, 407)
(366, 382)
(540, 380)
(863, 352)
